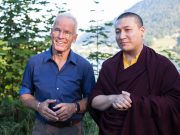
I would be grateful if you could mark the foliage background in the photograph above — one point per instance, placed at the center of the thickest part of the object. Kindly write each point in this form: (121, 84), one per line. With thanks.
(23, 35)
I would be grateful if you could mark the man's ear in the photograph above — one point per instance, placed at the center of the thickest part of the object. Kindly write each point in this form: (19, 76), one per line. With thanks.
(142, 29)
(75, 37)
(51, 31)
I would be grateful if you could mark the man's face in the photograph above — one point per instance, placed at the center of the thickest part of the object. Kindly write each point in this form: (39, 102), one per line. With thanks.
(129, 35)
(63, 34)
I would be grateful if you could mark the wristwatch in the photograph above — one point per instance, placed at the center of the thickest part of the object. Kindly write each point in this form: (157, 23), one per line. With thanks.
(77, 107)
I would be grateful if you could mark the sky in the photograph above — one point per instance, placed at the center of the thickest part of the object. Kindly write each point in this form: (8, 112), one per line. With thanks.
(106, 10)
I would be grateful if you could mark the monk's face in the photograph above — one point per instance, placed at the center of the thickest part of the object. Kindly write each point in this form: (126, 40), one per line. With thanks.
(129, 35)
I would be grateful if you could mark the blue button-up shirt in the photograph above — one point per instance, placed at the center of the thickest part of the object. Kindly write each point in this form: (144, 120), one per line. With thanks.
(43, 79)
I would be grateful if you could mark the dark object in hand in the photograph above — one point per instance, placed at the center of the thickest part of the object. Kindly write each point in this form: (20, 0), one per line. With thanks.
(53, 105)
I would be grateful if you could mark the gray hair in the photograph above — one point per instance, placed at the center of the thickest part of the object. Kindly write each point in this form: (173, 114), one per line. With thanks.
(67, 15)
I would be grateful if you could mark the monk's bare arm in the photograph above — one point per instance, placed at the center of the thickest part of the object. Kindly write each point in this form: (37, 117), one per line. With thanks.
(119, 102)
(102, 102)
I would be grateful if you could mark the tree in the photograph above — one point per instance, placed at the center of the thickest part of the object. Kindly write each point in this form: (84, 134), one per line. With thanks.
(24, 26)
(97, 34)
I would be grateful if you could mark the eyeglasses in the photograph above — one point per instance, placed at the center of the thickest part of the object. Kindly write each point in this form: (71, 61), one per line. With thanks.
(66, 33)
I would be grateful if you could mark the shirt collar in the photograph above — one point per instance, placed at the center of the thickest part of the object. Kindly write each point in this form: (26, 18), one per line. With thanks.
(48, 55)
(132, 62)
(71, 58)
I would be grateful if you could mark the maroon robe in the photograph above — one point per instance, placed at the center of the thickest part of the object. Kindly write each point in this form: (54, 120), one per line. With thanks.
(154, 84)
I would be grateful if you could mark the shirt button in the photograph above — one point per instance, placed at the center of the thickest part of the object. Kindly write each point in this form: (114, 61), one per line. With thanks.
(57, 88)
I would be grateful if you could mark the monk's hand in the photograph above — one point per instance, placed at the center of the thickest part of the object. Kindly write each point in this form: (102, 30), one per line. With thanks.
(65, 111)
(122, 101)
(46, 112)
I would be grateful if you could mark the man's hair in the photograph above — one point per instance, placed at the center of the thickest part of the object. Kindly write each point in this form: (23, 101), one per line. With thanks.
(131, 14)
(67, 15)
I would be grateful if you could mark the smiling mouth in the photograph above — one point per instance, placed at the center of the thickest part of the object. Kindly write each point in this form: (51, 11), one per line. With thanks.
(59, 42)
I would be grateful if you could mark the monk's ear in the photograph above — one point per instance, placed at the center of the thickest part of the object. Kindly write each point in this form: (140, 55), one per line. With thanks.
(142, 29)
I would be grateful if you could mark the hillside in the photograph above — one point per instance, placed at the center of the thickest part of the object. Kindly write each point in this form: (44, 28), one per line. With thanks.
(161, 18)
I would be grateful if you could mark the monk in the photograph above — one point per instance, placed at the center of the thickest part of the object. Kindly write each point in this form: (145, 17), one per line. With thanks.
(138, 90)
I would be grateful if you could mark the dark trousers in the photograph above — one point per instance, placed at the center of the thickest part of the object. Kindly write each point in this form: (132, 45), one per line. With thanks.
(46, 129)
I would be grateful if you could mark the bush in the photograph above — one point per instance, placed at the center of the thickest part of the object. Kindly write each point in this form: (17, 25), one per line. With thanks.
(15, 119)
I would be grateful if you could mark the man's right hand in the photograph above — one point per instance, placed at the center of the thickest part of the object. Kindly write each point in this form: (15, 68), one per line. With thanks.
(46, 112)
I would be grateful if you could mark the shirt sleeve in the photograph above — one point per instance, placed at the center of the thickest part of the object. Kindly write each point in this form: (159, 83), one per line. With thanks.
(24, 90)
(88, 81)
(27, 81)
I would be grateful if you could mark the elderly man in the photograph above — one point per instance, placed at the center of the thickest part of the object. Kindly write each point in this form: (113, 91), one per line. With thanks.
(138, 90)
(57, 82)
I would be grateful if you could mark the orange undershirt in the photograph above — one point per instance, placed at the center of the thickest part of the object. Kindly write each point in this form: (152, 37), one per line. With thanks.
(127, 63)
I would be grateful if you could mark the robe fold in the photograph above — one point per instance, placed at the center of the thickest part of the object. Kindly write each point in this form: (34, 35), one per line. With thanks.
(154, 84)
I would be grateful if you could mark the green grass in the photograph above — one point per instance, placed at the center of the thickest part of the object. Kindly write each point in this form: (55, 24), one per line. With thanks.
(15, 119)
(90, 125)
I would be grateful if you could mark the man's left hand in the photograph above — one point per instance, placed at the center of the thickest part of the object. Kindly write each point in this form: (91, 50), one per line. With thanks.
(65, 111)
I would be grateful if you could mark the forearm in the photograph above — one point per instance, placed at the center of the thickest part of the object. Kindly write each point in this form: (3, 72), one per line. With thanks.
(29, 101)
(102, 102)
(83, 105)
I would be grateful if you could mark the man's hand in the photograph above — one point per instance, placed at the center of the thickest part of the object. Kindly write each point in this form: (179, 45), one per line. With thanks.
(46, 112)
(65, 111)
(122, 102)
